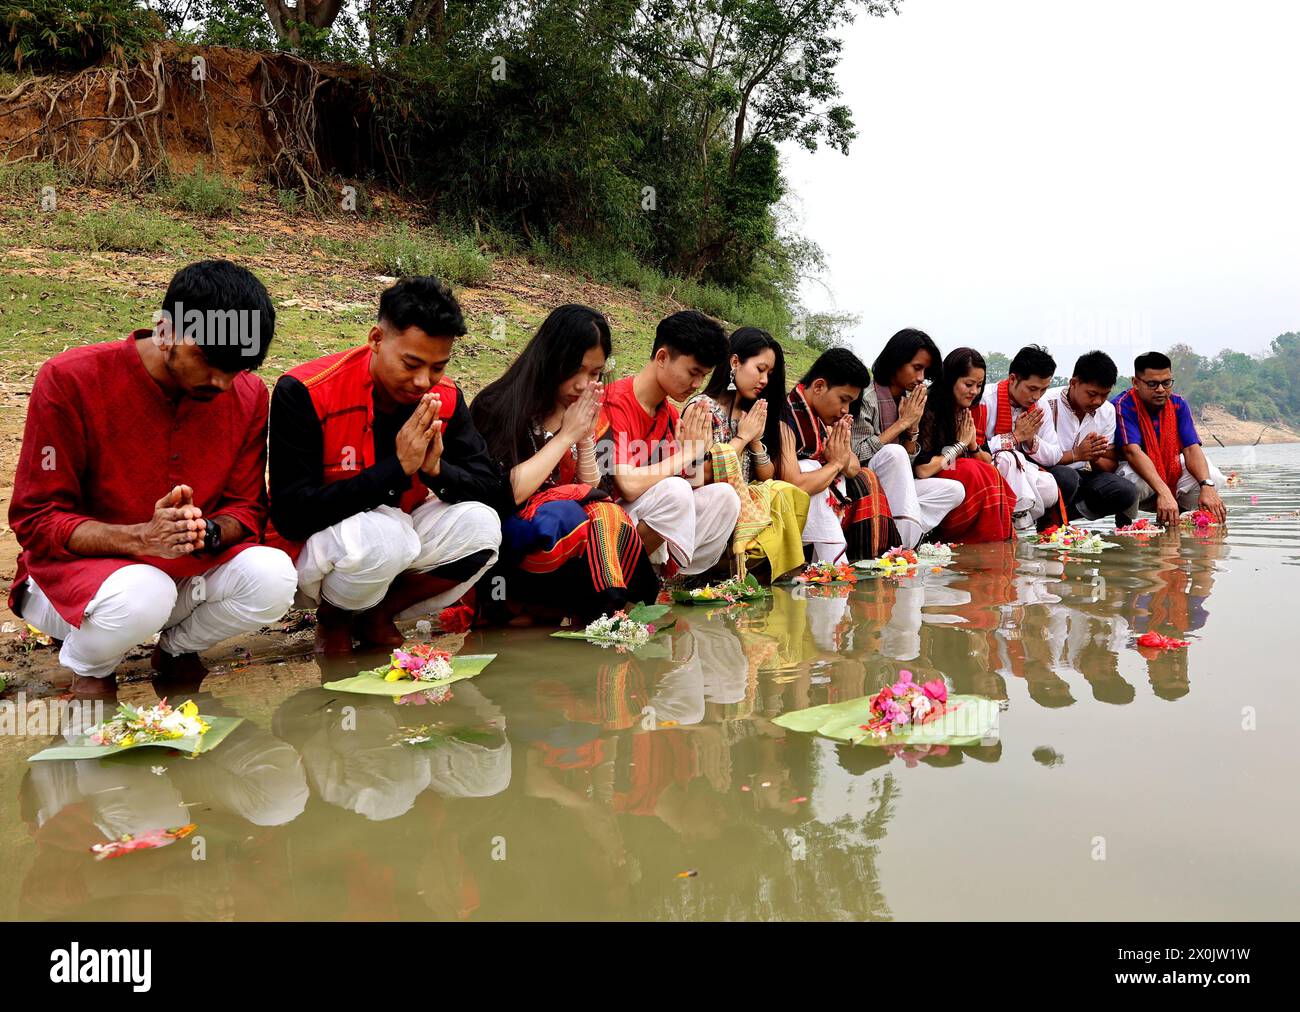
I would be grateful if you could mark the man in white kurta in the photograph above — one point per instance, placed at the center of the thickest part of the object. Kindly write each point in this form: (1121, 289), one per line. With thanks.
(1024, 449)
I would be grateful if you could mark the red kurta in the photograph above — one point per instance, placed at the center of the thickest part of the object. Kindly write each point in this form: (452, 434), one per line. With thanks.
(638, 439)
(103, 442)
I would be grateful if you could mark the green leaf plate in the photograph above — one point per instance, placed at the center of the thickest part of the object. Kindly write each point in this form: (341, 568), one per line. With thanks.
(371, 683)
(218, 729)
(970, 721)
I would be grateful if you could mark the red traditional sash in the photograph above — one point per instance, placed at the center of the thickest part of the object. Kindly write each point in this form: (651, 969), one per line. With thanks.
(1164, 449)
(1003, 424)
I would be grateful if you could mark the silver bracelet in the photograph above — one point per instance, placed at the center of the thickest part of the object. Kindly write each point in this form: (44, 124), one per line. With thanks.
(950, 453)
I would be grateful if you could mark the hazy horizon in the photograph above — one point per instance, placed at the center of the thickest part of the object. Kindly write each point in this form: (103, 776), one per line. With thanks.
(1123, 180)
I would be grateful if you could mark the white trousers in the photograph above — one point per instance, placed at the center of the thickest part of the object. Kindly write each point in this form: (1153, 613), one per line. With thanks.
(695, 523)
(1188, 492)
(918, 505)
(1034, 487)
(823, 529)
(136, 602)
(352, 564)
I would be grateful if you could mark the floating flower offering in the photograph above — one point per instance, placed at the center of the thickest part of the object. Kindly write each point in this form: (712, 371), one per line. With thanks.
(894, 561)
(625, 629)
(1199, 519)
(151, 840)
(935, 553)
(1065, 537)
(827, 572)
(900, 560)
(149, 725)
(906, 702)
(415, 670)
(1142, 526)
(620, 628)
(1158, 642)
(728, 592)
(421, 662)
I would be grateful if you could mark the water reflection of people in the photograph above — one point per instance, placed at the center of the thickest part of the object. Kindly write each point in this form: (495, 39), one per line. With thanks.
(401, 855)
(1175, 607)
(353, 750)
(234, 794)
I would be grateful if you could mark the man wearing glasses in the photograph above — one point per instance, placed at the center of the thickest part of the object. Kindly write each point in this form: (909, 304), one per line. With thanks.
(1162, 451)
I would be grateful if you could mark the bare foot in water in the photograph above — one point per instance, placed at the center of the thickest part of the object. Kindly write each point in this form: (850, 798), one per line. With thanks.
(179, 673)
(376, 628)
(333, 631)
(93, 688)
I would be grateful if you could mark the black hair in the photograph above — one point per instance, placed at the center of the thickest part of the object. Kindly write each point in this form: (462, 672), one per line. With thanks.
(691, 332)
(507, 408)
(839, 367)
(424, 302)
(219, 290)
(1033, 360)
(940, 421)
(1151, 360)
(1096, 367)
(901, 349)
(745, 344)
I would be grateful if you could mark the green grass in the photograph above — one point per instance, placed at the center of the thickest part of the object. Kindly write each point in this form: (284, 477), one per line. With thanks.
(28, 179)
(290, 201)
(402, 251)
(63, 291)
(209, 195)
(119, 228)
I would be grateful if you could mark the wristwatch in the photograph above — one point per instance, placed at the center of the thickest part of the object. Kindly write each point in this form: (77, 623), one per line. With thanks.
(1206, 483)
(211, 535)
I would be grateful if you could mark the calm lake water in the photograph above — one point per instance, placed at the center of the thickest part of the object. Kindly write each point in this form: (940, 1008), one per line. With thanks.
(1122, 785)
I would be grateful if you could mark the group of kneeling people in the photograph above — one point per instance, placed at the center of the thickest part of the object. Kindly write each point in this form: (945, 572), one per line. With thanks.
(142, 509)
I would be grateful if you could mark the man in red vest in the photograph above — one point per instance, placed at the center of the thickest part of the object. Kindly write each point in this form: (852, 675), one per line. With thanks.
(139, 499)
(380, 484)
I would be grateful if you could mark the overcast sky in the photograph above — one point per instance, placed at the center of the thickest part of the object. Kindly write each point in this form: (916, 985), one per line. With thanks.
(1115, 173)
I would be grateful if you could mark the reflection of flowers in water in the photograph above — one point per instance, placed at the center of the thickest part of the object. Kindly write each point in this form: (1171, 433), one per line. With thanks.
(840, 590)
(913, 754)
(439, 694)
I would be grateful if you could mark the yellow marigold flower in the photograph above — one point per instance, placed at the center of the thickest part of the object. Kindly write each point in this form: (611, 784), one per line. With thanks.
(188, 709)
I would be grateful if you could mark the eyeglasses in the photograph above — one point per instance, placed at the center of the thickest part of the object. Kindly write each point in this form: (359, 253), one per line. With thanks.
(1158, 384)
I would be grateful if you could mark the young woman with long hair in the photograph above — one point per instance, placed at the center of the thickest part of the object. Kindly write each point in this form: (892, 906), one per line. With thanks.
(951, 445)
(745, 398)
(564, 543)
(886, 428)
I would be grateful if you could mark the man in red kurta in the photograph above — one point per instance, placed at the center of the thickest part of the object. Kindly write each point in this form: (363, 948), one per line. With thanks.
(139, 499)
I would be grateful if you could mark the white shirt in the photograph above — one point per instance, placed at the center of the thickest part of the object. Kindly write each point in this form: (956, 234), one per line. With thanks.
(1069, 428)
(1042, 449)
